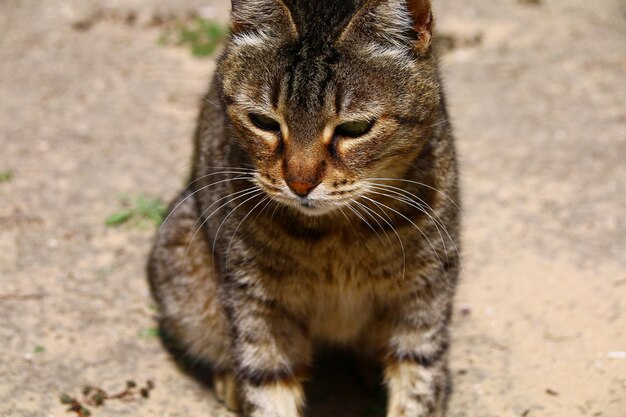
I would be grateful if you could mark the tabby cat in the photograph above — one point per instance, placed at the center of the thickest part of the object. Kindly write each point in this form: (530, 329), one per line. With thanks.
(322, 209)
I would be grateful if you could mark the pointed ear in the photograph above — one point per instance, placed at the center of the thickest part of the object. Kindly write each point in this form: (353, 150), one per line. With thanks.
(392, 22)
(269, 16)
(422, 18)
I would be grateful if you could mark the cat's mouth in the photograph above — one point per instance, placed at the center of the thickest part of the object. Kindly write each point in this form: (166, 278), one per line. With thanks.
(312, 204)
(314, 207)
(307, 205)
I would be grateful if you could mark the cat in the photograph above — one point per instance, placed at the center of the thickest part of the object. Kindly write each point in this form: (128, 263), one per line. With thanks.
(323, 207)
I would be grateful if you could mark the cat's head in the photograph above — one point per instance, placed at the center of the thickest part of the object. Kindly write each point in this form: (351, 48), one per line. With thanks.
(323, 96)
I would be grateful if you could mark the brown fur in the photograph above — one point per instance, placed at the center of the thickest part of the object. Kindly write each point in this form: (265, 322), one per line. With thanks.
(252, 274)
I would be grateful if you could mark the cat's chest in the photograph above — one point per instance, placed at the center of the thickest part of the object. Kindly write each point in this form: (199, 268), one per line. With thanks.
(337, 319)
(339, 287)
(342, 303)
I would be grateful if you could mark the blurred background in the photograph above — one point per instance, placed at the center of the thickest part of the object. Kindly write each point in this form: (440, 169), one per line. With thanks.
(98, 102)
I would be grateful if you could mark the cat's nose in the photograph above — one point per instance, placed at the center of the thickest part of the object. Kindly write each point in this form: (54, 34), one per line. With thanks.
(302, 188)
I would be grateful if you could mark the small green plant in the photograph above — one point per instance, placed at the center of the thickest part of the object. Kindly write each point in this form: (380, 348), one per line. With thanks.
(140, 210)
(203, 36)
(74, 405)
(150, 332)
(6, 176)
(39, 349)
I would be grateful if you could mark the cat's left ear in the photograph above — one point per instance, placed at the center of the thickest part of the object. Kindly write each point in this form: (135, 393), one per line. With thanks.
(422, 19)
(389, 21)
(267, 16)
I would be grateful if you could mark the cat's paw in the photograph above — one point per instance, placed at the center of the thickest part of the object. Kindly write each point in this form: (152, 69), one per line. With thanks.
(226, 390)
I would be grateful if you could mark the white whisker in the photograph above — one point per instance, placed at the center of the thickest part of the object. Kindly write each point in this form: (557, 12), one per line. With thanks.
(258, 193)
(240, 194)
(239, 175)
(358, 214)
(378, 203)
(417, 206)
(394, 230)
(421, 184)
(195, 192)
(237, 228)
(407, 198)
(367, 211)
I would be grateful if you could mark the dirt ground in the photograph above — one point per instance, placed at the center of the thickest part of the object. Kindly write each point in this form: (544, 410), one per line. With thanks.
(91, 106)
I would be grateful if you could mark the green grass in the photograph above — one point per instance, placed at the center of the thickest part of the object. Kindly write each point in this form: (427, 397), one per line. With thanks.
(39, 349)
(202, 36)
(139, 211)
(149, 333)
(6, 176)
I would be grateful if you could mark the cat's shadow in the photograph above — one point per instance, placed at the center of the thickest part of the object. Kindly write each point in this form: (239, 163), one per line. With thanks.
(335, 388)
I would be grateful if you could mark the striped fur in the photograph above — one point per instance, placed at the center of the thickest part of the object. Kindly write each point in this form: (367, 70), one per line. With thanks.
(250, 277)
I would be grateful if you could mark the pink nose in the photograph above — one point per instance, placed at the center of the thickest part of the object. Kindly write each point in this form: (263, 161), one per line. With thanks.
(301, 188)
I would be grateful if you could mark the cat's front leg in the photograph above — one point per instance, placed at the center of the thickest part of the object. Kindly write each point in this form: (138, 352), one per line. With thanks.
(272, 354)
(416, 372)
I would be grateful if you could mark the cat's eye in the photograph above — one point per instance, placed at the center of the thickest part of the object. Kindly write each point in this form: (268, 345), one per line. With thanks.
(264, 122)
(354, 129)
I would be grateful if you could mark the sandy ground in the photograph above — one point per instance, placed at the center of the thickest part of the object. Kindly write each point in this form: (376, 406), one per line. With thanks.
(91, 107)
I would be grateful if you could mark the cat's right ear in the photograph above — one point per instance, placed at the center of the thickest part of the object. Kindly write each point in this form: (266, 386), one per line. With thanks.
(270, 17)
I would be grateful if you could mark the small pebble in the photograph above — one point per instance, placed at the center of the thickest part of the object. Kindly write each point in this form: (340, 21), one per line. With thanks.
(552, 392)
(465, 310)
